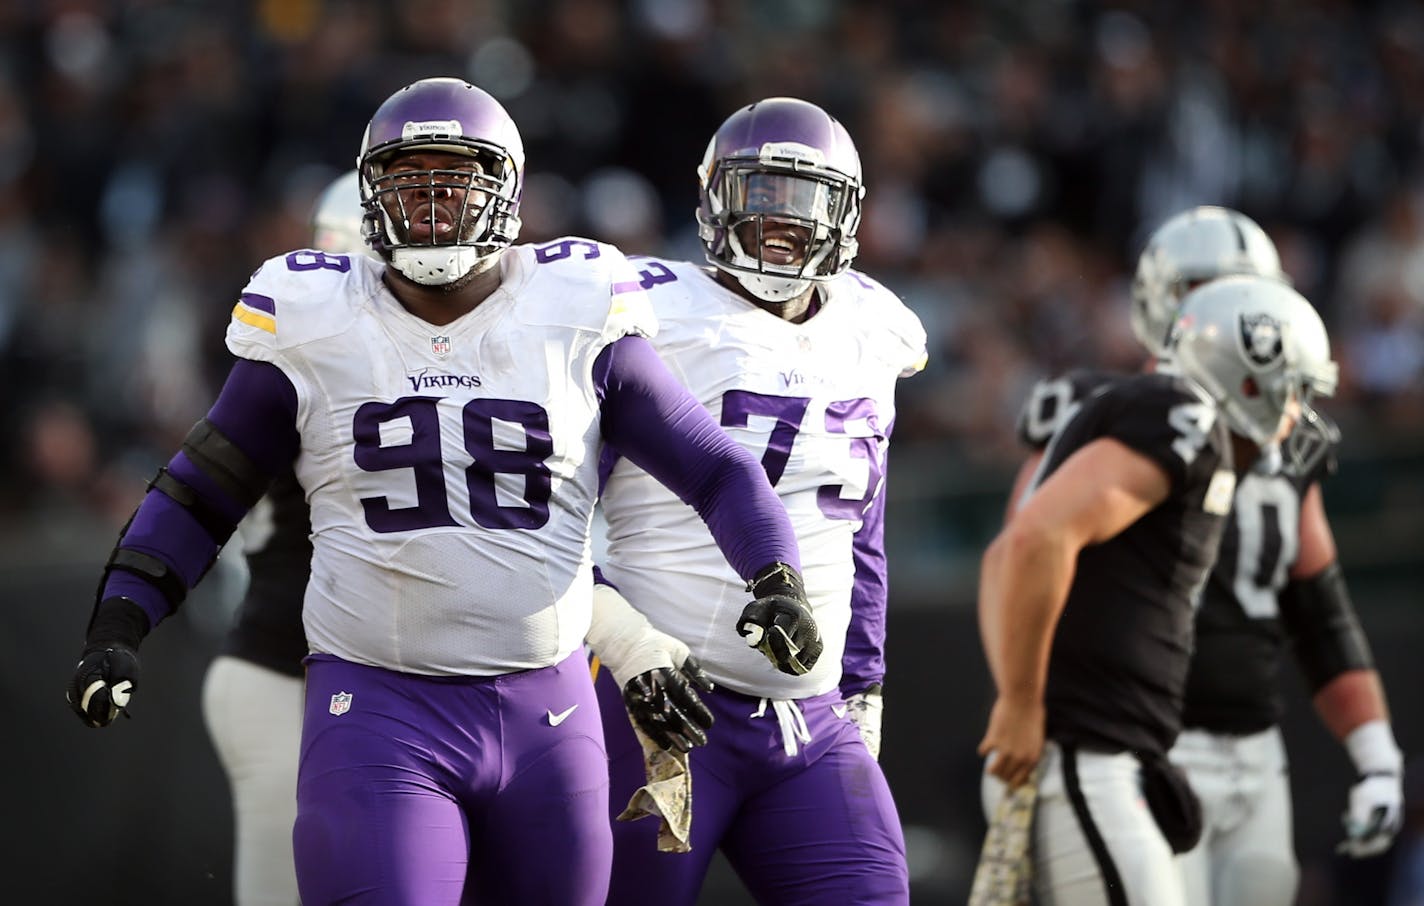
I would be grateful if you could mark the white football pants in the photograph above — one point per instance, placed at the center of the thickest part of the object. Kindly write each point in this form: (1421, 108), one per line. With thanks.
(254, 716)
(1094, 841)
(1245, 857)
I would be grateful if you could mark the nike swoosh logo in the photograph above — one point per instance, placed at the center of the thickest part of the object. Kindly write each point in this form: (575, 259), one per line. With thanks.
(556, 719)
(839, 710)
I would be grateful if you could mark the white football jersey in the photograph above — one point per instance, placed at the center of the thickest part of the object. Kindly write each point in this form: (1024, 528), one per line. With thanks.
(815, 403)
(451, 470)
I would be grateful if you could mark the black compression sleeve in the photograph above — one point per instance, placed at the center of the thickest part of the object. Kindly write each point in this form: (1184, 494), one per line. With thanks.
(1321, 622)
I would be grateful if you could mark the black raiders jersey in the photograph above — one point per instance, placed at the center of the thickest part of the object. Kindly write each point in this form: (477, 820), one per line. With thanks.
(1232, 685)
(1053, 401)
(267, 629)
(1118, 666)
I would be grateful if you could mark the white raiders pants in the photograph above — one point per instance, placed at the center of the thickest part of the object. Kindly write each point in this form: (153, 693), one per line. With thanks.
(1245, 857)
(1095, 843)
(254, 716)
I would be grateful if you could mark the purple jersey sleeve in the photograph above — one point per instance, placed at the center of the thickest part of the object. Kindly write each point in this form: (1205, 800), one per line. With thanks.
(655, 422)
(863, 663)
(257, 412)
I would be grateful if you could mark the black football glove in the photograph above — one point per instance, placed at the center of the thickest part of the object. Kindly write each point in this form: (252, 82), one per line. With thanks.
(779, 622)
(666, 707)
(107, 672)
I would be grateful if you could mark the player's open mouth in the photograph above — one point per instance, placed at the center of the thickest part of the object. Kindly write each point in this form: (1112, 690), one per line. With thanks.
(783, 245)
(430, 224)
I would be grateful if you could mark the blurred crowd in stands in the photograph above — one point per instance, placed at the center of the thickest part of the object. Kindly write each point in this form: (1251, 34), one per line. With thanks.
(1017, 152)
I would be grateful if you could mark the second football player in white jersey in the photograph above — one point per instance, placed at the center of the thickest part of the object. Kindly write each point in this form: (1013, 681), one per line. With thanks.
(798, 358)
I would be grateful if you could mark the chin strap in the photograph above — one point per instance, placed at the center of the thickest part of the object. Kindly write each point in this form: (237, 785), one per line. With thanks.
(441, 265)
(772, 289)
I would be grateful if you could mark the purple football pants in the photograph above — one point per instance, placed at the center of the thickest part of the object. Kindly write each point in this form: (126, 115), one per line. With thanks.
(818, 827)
(436, 791)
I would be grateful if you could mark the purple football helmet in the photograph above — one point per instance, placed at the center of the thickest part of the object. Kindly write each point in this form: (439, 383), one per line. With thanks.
(453, 116)
(779, 198)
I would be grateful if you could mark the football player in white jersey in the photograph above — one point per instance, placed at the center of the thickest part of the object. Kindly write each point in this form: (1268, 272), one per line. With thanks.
(252, 693)
(797, 356)
(445, 408)
(1276, 581)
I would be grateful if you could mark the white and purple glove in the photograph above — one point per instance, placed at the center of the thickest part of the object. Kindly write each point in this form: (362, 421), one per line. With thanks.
(865, 709)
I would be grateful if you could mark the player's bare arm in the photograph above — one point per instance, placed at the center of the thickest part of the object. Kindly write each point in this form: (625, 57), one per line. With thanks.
(1317, 542)
(1022, 479)
(1026, 574)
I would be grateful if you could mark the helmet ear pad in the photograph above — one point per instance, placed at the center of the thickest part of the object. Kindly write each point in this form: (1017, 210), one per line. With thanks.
(455, 117)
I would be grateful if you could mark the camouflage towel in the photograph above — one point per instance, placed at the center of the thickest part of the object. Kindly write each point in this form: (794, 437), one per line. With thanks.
(667, 795)
(1005, 872)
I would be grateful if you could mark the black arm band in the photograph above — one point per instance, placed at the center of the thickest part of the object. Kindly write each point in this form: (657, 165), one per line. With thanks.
(146, 566)
(221, 460)
(218, 526)
(1320, 620)
(117, 621)
(151, 570)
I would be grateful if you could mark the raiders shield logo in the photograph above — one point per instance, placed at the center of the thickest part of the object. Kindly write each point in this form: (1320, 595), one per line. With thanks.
(440, 346)
(340, 703)
(1261, 337)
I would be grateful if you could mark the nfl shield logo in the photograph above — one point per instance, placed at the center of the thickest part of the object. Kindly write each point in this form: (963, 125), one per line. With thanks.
(440, 345)
(340, 703)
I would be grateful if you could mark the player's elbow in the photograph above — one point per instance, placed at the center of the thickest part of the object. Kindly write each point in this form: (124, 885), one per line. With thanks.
(1025, 543)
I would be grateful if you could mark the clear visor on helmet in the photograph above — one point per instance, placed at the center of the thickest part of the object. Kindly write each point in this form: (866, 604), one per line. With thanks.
(784, 195)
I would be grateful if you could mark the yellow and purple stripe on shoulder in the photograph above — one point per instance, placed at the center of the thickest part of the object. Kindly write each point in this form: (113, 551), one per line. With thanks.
(257, 311)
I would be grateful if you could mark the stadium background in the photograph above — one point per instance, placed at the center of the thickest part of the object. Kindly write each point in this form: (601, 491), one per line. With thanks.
(153, 152)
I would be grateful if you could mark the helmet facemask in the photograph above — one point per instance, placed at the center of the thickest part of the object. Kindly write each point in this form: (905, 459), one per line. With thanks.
(1313, 439)
(778, 222)
(409, 212)
(408, 231)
